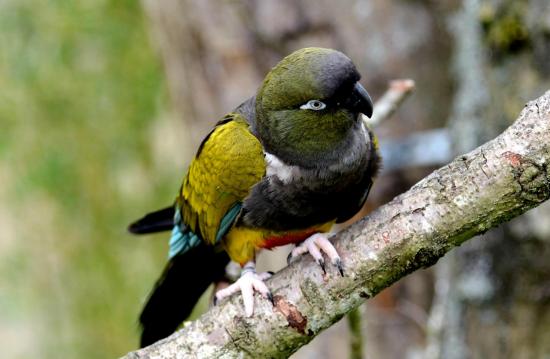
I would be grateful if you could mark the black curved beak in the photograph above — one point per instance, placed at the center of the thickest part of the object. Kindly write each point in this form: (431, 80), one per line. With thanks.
(360, 101)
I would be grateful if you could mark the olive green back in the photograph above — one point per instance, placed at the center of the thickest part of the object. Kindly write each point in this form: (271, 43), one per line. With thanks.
(229, 162)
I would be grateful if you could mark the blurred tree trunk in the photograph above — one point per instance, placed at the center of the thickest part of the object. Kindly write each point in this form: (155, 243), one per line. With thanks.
(216, 53)
(493, 295)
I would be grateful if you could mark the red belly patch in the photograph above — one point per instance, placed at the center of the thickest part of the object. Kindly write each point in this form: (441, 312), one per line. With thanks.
(286, 238)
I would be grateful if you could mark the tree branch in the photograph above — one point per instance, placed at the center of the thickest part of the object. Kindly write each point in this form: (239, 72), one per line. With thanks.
(391, 100)
(479, 190)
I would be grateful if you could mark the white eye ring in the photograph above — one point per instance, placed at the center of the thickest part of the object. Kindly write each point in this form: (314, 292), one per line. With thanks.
(315, 105)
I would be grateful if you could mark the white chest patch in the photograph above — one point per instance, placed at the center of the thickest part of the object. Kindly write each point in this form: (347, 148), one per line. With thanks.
(276, 167)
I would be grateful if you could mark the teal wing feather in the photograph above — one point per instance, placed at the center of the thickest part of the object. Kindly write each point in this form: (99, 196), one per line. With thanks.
(183, 239)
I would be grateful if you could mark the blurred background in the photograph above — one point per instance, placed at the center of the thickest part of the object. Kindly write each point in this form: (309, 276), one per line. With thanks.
(102, 104)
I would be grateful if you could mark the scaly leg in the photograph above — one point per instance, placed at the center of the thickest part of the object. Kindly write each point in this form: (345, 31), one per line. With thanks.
(314, 245)
(246, 284)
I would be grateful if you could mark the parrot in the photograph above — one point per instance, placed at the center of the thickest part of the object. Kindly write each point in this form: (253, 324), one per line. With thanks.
(284, 167)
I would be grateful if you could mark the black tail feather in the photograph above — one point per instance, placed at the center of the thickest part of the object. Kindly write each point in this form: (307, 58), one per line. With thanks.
(158, 221)
(183, 281)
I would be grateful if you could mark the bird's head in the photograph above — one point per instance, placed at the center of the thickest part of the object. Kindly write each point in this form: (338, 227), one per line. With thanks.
(308, 104)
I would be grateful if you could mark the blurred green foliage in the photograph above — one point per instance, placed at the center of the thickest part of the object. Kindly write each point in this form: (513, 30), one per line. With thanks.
(80, 89)
(505, 27)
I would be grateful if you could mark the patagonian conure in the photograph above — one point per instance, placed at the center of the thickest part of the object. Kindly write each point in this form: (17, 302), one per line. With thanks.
(283, 167)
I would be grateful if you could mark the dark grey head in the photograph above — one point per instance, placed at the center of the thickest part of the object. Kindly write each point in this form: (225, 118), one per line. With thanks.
(309, 104)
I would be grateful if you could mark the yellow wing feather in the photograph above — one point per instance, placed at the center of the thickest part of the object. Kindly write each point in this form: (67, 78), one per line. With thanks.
(229, 162)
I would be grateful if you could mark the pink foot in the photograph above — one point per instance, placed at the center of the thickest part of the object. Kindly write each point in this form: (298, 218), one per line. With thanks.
(314, 245)
(249, 282)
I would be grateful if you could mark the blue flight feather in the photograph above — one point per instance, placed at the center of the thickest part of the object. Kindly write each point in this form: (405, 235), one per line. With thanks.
(227, 220)
(184, 239)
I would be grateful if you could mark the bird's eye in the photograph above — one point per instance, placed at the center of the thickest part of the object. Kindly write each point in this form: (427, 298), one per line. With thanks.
(315, 105)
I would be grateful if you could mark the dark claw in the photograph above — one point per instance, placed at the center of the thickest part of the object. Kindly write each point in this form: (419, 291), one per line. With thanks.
(215, 300)
(322, 265)
(338, 264)
(289, 258)
(270, 298)
(270, 272)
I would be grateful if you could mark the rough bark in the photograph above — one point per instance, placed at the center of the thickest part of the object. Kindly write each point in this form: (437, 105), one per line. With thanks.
(477, 191)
